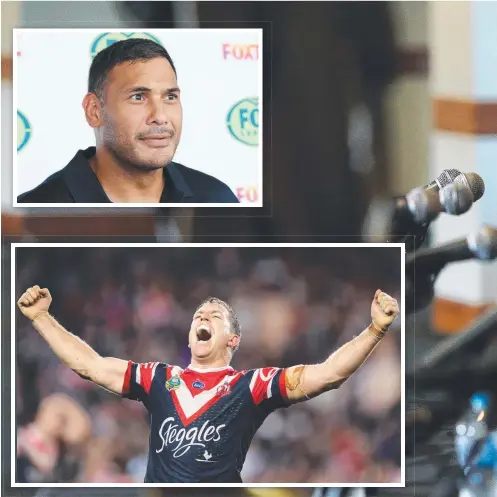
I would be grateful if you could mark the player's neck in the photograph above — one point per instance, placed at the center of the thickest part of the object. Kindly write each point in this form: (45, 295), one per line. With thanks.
(209, 365)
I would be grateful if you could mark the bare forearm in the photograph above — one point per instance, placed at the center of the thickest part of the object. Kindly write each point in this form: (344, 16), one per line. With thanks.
(108, 372)
(304, 382)
(70, 349)
(350, 357)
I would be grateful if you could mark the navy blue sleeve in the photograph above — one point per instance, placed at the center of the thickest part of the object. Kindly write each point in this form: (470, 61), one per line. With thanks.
(139, 378)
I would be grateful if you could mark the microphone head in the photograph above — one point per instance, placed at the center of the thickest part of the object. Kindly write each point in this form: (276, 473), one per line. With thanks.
(447, 176)
(474, 182)
(456, 198)
(483, 244)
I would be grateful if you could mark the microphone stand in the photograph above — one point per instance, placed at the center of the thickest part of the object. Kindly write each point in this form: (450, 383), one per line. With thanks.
(404, 229)
(390, 220)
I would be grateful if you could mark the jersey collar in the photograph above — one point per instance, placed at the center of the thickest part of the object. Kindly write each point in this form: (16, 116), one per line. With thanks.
(209, 370)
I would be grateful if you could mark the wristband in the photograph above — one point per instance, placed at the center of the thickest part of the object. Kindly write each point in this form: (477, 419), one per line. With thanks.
(376, 331)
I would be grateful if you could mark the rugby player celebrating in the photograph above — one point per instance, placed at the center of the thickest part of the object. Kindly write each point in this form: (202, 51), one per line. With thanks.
(203, 418)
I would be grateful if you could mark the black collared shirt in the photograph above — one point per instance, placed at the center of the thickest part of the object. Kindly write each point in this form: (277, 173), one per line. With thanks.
(77, 183)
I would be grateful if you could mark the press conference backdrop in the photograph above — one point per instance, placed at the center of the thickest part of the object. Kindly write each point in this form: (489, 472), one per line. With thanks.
(220, 76)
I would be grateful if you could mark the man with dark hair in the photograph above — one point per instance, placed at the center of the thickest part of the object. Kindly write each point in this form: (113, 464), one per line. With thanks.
(203, 418)
(133, 104)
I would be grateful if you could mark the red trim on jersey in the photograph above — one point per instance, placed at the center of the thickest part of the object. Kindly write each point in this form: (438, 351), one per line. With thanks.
(261, 382)
(209, 379)
(282, 384)
(188, 420)
(147, 375)
(127, 379)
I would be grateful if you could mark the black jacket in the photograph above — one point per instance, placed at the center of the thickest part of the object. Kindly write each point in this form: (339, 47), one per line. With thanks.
(77, 183)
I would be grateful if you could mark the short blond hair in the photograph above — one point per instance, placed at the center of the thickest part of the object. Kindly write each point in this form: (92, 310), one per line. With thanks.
(233, 318)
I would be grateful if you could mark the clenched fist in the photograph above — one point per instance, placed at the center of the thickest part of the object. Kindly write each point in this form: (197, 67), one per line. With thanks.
(34, 301)
(384, 310)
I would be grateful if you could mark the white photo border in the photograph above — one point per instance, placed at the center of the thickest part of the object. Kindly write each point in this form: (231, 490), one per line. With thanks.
(365, 246)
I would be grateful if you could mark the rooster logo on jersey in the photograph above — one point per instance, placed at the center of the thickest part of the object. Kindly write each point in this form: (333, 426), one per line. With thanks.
(223, 389)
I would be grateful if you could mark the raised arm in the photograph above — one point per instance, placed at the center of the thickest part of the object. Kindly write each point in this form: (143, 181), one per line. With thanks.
(106, 372)
(305, 382)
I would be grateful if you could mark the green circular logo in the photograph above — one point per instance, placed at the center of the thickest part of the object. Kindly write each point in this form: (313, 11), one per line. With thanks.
(243, 121)
(107, 39)
(23, 131)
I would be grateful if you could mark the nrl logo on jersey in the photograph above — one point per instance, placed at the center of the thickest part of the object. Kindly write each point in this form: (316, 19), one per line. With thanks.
(173, 383)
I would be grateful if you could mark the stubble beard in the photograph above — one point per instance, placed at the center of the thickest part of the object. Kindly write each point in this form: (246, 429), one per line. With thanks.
(122, 150)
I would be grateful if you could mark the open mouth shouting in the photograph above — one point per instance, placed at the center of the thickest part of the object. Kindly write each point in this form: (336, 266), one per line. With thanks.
(204, 333)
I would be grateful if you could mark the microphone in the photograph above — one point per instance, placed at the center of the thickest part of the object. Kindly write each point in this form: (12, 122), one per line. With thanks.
(425, 205)
(414, 212)
(405, 219)
(448, 176)
(474, 182)
(481, 245)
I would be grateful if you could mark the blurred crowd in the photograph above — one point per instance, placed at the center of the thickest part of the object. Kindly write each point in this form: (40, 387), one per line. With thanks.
(295, 305)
